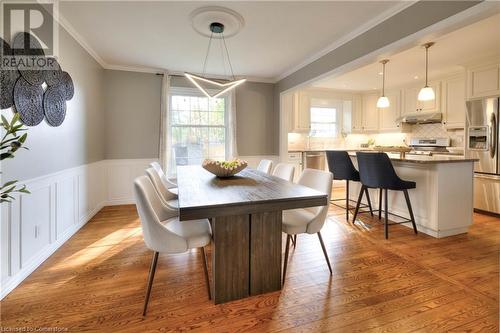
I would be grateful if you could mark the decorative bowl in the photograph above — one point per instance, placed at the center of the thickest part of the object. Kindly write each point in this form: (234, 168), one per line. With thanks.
(224, 169)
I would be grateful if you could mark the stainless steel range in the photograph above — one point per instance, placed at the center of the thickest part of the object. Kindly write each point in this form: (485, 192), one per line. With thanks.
(429, 146)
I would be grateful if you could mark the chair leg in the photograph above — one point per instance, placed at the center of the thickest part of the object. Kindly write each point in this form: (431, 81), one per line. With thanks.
(287, 249)
(347, 200)
(294, 241)
(152, 270)
(205, 270)
(360, 197)
(386, 214)
(412, 217)
(380, 204)
(369, 201)
(324, 252)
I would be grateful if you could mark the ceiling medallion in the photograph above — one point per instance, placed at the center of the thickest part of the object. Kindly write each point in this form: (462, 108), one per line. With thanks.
(215, 19)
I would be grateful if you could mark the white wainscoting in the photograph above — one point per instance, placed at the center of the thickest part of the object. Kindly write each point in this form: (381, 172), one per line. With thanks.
(37, 224)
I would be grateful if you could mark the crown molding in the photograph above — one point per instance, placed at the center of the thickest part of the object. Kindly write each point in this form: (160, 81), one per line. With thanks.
(346, 38)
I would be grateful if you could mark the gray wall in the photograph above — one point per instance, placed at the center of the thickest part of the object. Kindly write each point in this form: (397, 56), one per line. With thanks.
(132, 105)
(256, 124)
(132, 114)
(79, 140)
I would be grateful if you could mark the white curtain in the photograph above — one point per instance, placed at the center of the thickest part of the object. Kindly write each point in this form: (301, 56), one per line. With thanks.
(165, 139)
(233, 149)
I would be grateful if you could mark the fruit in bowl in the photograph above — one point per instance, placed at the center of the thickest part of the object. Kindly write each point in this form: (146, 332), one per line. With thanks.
(224, 169)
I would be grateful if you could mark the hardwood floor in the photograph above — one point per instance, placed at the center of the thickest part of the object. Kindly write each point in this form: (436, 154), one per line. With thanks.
(96, 282)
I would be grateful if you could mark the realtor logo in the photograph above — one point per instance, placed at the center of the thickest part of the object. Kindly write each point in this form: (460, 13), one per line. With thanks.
(37, 20)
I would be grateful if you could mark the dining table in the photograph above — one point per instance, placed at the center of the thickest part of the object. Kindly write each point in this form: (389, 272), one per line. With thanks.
(246, 217)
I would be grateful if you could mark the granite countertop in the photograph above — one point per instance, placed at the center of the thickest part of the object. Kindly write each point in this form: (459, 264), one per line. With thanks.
(423, 159)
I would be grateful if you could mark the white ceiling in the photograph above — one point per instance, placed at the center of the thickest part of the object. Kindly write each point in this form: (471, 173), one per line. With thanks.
(277, 36)
(451, 53)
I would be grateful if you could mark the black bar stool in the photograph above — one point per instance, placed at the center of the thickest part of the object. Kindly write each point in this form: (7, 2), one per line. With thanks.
(340, 165)
(376, 171)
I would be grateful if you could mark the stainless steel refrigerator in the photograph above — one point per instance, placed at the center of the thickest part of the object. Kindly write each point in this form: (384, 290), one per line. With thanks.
(482, 142)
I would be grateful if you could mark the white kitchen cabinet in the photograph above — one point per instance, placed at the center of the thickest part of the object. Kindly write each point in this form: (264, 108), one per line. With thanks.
(356, 116)
(297, 107)
(369, 116)
(483, 81)
(412, 104)
(388, 116)
(454, 102)
(302, 119)
(296, 159)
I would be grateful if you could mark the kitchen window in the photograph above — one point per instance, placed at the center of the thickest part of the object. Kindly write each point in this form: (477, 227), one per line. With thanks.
(324, 122)
(198, 127)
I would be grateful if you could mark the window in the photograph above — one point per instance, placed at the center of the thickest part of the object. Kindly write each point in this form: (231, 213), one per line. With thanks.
(197, 128)
(324, 122)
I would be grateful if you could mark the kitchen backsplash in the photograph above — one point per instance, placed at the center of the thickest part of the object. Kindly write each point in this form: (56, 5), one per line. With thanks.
(298, 141)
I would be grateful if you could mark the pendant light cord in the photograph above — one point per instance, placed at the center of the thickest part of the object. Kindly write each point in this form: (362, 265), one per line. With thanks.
(426, 65)
(208, 51)
(383, 79)
(228, 58)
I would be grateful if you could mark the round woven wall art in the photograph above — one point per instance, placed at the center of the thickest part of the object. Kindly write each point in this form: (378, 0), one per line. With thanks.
(52, 76)
(26, 44)
(28, 100)
(66, 85)
(8, 78)
(7, 82)
(54, 106)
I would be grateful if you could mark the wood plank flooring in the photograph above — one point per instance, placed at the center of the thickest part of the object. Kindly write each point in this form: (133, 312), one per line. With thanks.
(96, 282)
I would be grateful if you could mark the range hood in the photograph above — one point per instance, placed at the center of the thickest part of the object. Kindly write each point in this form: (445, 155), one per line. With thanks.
(420, 118)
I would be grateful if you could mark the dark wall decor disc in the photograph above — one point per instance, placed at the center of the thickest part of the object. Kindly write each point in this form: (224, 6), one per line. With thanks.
(53, 75)
(28, 100)
(8, 80)
(66, 85)
(54, 106)
(5, 48)
(27, 45)
(31, 57)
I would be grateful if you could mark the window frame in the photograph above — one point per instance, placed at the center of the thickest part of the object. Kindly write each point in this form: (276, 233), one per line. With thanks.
(338, 117)
(193, 92)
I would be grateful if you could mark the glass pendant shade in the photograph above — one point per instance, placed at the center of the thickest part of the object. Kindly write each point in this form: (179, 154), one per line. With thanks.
(426, 94)
(383, 102)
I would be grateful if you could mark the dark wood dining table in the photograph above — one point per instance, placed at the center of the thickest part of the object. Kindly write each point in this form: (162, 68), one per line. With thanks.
(246, 216)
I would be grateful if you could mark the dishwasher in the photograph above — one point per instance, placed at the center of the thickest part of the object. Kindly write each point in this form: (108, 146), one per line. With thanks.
(315, 160)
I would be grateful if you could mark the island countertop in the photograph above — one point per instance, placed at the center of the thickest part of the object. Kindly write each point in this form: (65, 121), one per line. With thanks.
(425, 159)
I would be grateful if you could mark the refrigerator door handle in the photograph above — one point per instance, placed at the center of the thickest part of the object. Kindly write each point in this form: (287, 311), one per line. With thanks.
(493, 136)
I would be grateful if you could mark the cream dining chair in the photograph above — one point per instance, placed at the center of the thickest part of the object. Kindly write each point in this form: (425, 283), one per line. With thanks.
(308, 220)
(168, 198)
(168, 183)
(284, 171)
(163, 232)
(265, 166)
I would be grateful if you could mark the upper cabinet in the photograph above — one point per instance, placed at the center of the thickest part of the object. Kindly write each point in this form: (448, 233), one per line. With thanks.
(357, 110)
(412, 104)
(369, 115)
(454, 102)
(388, 116)
(297, 108)
(483, 81)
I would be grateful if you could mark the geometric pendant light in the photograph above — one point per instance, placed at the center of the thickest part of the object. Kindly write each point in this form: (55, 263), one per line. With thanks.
(221, 87)
(383, 101)
(426, 93)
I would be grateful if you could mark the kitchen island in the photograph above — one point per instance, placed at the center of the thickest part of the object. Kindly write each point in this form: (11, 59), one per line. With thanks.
(443, 199)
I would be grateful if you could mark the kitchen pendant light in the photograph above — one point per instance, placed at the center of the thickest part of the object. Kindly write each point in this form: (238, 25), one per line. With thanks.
(426, 93)
(383, 101)
(225, 86)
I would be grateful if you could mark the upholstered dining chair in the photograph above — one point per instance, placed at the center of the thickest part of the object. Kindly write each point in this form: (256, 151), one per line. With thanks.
(163, 232)
(168, 183)
(168, 198)
(308, 220)
(284, 171)
(265, 166)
